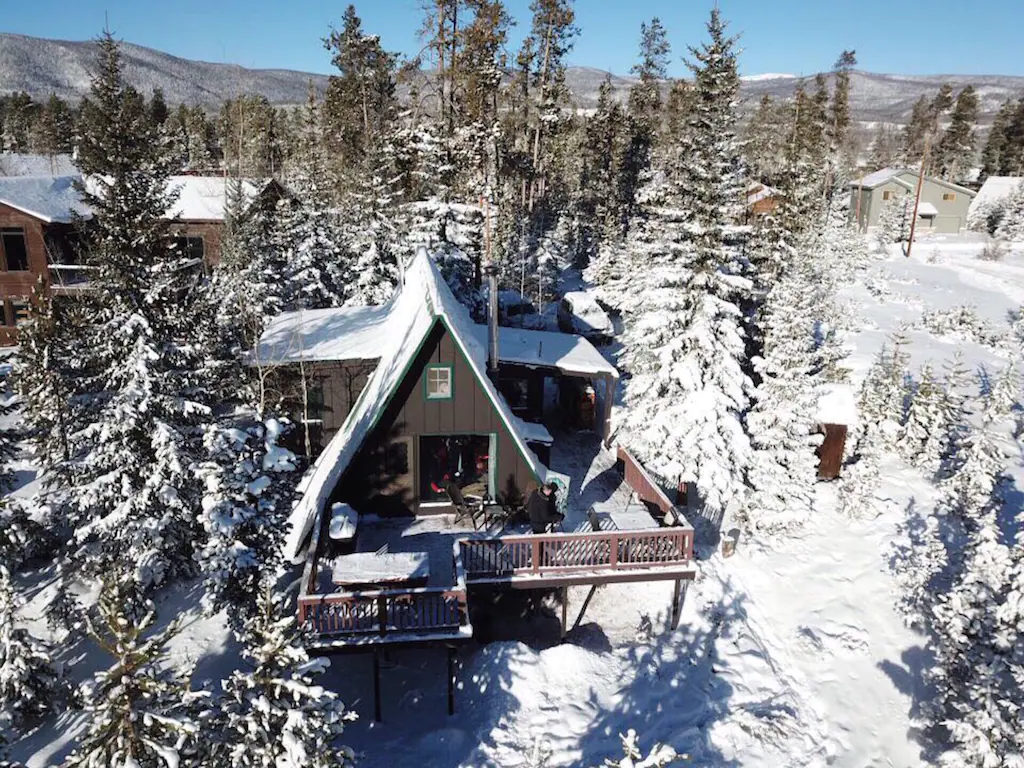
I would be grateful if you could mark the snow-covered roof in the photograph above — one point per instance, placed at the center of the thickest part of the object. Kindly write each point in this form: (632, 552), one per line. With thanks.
(360, 333)
(423, 300)
(567, 352)
(995, 189)
(52, 199)
(927, 209)
(587, 313)
(756, 192)
(533, 432)
(837, 404)
(18, 164)
(324, 335)
(202, 198)
(877, 178)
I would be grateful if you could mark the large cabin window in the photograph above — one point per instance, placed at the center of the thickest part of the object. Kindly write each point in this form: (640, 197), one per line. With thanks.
(15, 251)
(439, 382)
(465, 460)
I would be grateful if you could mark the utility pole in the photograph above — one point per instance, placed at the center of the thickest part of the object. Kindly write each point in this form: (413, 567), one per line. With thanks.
(917, 197)
(860, 196)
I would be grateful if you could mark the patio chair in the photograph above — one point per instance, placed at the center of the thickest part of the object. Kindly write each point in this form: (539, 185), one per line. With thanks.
(473, 509)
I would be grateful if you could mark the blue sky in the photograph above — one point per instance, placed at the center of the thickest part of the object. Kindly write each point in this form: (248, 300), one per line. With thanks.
(789, 36)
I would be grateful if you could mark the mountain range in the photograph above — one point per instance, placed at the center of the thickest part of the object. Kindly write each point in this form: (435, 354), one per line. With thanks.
(41, 67)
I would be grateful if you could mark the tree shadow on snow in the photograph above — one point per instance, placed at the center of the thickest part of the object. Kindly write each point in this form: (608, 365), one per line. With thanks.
(679, 691)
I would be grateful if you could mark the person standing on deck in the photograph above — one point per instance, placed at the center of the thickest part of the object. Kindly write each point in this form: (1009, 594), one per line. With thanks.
(542, 508)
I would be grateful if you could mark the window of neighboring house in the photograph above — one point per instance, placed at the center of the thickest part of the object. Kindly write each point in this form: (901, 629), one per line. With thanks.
(886, 195)
(19, 310)
(15, 250)
(439, 382)
(314, 403)
(948, 196)
(190, 247)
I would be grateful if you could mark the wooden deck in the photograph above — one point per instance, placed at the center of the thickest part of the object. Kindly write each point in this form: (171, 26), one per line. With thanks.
(421, 614)
(600, 557)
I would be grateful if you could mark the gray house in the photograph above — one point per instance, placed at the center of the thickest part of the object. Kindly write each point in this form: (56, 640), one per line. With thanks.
(943, 206)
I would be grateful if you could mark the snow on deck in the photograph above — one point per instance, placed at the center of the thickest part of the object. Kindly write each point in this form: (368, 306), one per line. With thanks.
(837, 404)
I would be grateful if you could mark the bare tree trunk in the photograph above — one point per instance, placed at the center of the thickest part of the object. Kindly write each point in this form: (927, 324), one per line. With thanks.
(540, 124)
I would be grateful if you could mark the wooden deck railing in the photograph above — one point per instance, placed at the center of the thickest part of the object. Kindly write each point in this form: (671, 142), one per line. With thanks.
(382, 612)
(558, 553)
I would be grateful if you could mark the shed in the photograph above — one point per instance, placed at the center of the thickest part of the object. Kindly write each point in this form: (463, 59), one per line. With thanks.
(836, 413)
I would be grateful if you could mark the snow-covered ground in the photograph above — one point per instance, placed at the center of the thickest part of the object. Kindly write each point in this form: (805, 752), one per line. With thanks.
(789, 653)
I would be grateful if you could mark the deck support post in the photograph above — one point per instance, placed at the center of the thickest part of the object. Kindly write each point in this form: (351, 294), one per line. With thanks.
(451, 679)
(586, 603)
(565, 609)
(609, 396)
(677, 607)
(376, 685)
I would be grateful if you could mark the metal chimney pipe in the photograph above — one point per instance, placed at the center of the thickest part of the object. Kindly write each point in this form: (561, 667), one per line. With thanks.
(491, 272)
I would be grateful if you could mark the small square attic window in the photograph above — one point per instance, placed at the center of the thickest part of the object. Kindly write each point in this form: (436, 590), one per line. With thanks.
(439, 382)
(948, 196)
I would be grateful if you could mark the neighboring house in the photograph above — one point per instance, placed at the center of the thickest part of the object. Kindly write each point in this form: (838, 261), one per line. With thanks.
(761, 199)
(390, 556)
(943, 207)
(993, 192)
(17, 164)
(38, 237)
(36, 233)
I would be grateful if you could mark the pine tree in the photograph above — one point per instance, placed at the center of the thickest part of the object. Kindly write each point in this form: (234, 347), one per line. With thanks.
(249, 480)
(360, 99)
(783, 466)
(133, 492)
(893, 222)
(685, 346)
(920, 438)
(139, 712)
(978, 671)
(955, 153)
(996, 147)
(660, 755)
(860, 495)
(28, 681)
(914, 133)
(1010, 225)
(273, 713)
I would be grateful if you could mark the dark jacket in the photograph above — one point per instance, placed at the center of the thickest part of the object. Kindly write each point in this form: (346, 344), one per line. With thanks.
(542, 511)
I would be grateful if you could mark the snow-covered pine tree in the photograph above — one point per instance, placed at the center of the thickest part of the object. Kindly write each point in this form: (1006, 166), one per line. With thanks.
(660, 755)
(860, 495)
(978, 673)
(1011, 220)
(310, 231)
(954, 410)
(249, 481)
(134, 494)
(783, 466)
(685, 346)
(140, 713)
(272, 713)
(973, 469)
(28, 680)
(893, 222)
(883, 394)
(9, 438)
(920, 438)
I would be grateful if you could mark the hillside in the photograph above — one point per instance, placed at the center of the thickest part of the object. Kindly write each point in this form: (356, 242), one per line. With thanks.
(41, 66)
